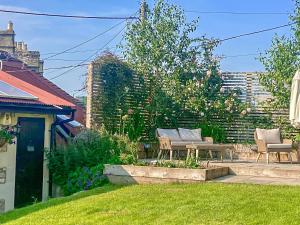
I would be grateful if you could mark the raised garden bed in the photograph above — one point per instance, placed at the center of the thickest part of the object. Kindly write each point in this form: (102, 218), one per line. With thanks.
(129, 174)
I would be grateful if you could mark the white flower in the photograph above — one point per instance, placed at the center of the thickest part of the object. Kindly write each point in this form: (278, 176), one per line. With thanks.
(244, 112)
(222, 90)
(248, 110)
(201, 113)
(208, 73)
(125, 117)
(234, 95)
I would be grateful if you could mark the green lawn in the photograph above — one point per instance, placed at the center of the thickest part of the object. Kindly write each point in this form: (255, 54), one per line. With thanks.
(207, 203)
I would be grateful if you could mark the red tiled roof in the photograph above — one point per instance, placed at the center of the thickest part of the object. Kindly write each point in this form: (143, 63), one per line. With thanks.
(18, 70)
(42, 95)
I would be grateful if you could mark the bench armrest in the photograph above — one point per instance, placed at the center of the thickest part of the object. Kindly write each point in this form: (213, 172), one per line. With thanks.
(261, 145)
(208, 139)
(164, 143)
(287, 141)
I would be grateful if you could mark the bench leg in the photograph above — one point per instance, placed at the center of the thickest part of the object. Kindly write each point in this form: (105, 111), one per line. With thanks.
(278, 155)
(171, 154)
(197, 155)
(231, 155)
(267, 157)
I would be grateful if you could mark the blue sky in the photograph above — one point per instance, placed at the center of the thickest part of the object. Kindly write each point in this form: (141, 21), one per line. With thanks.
(50, 35)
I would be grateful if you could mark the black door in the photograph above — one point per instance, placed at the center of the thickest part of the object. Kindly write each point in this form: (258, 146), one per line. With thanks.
(29, 161)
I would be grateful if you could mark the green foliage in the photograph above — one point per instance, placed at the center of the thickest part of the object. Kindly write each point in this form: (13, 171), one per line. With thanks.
(208, 203)
(281, 61)
(213, 130)
(118, 94)
(133, 124)
(190, 163)
(181, 72)
(89, 149)
(84, 179)
(6, 135)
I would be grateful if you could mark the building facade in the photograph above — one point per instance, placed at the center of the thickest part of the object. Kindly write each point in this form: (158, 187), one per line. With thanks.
(19, 49)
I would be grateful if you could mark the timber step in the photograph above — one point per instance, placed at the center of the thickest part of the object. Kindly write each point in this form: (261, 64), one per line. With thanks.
(262, 170)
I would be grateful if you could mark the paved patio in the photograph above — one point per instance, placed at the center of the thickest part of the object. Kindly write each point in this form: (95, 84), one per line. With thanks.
(260, 173)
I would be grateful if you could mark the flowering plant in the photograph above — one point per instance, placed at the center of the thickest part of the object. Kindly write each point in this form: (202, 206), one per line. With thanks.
(6, 136)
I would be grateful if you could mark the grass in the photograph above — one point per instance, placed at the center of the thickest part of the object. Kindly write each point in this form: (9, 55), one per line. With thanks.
(205, 203)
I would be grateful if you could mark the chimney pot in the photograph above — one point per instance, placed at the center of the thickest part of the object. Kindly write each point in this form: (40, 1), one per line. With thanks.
(10, 26)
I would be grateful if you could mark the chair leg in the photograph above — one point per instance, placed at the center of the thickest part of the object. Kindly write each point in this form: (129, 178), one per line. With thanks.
(197, 155)
(267, 157)
(211, 155)
(290, 157)
(159, 154)
(188, 154)
(258, 156)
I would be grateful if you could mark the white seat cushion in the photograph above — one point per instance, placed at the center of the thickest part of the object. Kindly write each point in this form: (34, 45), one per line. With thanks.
(184, 143)
(270, 136)
(278, 146)
(172, 134)
(190, 134)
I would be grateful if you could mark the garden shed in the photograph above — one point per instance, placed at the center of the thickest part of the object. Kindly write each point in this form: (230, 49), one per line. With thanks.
(31, 108)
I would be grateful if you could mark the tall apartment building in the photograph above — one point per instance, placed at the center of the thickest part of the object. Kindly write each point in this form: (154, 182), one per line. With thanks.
(19, 49)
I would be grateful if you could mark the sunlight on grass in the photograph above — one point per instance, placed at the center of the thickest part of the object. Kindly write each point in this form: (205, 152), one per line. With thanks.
(205, 203)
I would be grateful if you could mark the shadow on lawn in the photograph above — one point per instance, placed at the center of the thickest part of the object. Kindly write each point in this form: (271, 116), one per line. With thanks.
(18, 213)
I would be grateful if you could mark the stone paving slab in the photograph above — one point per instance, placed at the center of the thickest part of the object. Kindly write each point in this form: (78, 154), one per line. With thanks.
(248, 168)
(257, 180)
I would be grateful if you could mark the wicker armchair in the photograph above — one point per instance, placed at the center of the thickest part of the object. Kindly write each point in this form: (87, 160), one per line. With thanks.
(264, 148)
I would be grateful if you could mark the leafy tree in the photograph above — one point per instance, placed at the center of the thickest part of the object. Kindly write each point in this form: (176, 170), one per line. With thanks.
(281, 61)
(180, 70)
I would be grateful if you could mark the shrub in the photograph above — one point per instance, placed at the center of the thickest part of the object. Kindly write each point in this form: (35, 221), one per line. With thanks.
(211, 130)
(88, 150)
(84, 179)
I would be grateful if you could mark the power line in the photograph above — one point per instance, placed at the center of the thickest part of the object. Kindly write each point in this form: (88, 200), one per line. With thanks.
(256, 32)
(85, 60)
(65, 67)
(82, 43)
(70, 16)
(72, 52)
(238, 13)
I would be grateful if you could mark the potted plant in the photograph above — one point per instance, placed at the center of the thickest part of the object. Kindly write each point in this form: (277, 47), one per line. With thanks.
(5, 137)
